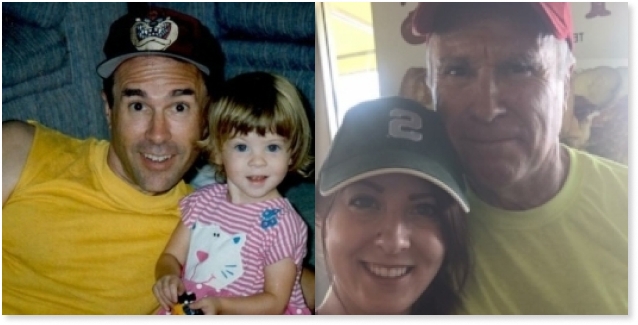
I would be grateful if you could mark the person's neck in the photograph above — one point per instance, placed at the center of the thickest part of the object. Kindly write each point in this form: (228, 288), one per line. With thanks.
(331, 304)
(534, 189)
(334, 305)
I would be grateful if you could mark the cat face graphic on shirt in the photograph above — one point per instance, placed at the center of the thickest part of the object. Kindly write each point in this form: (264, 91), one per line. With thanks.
(214, 256)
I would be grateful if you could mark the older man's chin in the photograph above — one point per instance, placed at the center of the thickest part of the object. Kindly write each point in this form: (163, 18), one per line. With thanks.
(493, 174)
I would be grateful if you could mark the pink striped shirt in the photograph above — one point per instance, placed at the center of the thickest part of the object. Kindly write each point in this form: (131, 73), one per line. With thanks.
(241, 240)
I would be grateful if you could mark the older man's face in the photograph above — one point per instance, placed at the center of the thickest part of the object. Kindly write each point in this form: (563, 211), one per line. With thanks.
(499, 91)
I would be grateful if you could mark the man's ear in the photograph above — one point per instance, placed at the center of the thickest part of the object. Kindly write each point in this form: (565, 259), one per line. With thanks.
(568, 88)
(107, 110)
(205, 129)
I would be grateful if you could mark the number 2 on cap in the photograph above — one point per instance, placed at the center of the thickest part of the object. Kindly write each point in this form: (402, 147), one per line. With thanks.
(405, 125)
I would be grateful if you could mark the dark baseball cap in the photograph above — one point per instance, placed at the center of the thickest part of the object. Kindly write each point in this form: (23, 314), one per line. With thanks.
(392, 135)
(160, 31)
(557, 15)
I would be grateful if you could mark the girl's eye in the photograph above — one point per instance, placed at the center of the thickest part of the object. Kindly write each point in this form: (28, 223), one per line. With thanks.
(273, 147)
(364, 202)
(241, 147)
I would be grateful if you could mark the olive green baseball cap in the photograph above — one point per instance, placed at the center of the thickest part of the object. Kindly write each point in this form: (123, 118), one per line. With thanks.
(392, 135)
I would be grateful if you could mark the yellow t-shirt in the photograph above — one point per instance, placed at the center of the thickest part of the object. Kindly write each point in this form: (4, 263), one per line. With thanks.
(568, 256)
(77, 239)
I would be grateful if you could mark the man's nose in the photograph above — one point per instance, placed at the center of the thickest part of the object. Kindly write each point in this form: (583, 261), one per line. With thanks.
(486, 105)
(393, 235)
(159, 130)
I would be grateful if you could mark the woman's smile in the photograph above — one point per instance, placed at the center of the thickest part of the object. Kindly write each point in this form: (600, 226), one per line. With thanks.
(387, 271)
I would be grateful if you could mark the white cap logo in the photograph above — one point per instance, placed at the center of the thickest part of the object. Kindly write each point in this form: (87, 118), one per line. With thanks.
(405, 125)
(153, 34)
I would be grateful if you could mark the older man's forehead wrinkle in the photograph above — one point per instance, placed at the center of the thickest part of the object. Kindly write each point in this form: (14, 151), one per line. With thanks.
(453, 60)
(457, 51)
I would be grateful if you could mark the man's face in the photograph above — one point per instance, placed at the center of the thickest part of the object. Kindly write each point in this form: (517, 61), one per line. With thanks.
(500, 94)
(156, 118)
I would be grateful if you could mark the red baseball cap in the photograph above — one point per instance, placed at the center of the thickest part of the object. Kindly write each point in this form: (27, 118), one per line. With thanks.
(557, 15)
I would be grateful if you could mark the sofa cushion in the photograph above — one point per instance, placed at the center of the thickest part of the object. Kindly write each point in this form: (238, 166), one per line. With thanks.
(294, 22)
(279, 55)
(29, 52)
(39, 14)
(62, 96)
(293, 61)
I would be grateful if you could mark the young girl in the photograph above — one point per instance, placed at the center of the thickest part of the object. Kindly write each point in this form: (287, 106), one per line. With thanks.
(239, 245)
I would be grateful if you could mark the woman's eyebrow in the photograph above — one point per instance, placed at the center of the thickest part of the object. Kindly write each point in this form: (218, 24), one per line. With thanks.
(420, 196)
(371, 185)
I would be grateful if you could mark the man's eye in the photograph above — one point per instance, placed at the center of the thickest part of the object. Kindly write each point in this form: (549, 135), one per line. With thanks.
(273, 147)
(137, 106)
(456, 71)
(518, 68)
(363, 202)
(241, 147)
(181, 107)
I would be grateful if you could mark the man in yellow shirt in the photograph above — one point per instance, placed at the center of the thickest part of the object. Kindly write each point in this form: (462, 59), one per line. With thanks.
(548, 223)
(84, 220)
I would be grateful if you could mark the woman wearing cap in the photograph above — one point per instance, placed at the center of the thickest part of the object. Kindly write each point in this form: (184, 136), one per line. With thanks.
(390, 207)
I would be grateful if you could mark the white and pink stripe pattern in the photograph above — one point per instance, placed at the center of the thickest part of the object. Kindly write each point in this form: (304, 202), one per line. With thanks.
(264, 245)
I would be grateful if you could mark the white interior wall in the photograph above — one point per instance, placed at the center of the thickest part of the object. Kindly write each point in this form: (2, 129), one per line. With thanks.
(324, 104)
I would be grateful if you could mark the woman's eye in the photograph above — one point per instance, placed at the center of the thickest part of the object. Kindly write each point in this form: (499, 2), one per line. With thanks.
(273, 147)
(363, 202)
(241, 147)
(425, 210)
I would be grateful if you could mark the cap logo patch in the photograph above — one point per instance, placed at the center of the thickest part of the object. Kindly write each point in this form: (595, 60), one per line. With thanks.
(155, 33)
(404, 124)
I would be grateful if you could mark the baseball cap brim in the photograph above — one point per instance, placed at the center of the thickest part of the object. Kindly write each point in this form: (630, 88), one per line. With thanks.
(557, 15)
(106, 68)
(360, 167)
